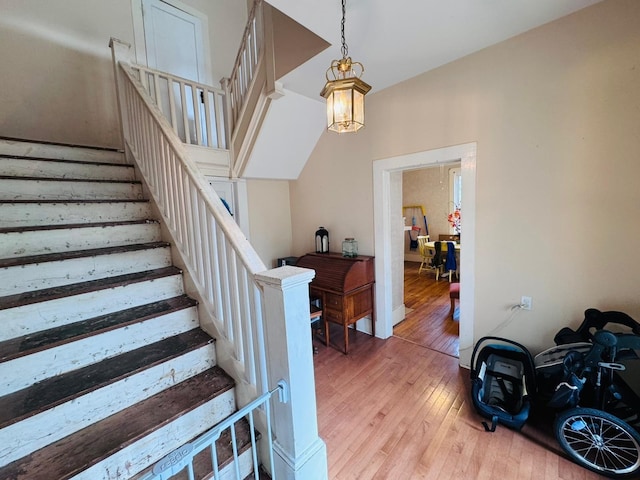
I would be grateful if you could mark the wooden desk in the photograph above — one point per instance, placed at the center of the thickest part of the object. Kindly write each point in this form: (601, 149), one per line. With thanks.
(345, 287)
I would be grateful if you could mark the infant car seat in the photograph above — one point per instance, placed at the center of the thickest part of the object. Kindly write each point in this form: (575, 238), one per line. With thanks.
(502, 382)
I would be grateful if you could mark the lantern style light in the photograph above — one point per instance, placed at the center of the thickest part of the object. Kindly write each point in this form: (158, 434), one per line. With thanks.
(345, 91)
(322, 240)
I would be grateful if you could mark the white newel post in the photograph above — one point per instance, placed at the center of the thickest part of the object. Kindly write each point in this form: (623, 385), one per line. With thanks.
(299, 453)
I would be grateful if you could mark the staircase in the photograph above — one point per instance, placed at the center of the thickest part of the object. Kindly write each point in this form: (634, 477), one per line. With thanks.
(105, 369)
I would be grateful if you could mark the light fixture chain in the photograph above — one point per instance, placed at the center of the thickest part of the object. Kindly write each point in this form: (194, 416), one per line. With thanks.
(345, 49)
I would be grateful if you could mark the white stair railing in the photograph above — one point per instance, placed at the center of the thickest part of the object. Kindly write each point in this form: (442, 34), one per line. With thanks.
(234, 287)
(195, 111)
(220, 259)
(220, 118)
(246, 63)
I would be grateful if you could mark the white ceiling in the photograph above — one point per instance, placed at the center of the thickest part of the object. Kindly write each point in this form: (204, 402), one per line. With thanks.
(395, 40)
(399, 39)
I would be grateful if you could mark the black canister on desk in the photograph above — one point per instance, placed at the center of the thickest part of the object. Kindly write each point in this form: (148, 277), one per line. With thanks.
(322, 240)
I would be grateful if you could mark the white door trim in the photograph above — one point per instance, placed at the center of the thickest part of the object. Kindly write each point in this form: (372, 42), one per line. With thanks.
(139, 39)
(466, 154)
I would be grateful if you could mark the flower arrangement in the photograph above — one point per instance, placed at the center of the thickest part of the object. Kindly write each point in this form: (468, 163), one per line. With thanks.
(454, 219)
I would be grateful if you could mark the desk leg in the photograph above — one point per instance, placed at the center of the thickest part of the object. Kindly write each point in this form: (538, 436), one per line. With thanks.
(326, 331)
(346, 337)
(373, 311)
(373, 324)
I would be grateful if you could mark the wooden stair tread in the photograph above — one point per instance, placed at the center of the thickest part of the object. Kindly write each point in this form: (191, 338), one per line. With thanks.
(61, 388)
(74, 180)
(60, 144)
(70, 455)
(38, 228)
(61, 256)
(92, 391)
(262, 475)
(62, 160)
(27, 298)
(224, 447)
(34, 342)
(78, 202)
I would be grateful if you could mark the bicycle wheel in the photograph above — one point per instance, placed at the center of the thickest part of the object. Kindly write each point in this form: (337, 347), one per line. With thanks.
(599, 441)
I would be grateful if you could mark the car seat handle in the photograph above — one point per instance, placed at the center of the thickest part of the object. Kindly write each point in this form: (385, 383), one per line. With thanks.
(605, 338)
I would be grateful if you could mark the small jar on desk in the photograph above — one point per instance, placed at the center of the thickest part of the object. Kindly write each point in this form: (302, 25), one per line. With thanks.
(350, 248)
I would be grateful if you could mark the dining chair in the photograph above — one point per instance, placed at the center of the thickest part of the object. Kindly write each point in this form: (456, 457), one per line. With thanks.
(315, 316)
(451, 262)
(431, 259)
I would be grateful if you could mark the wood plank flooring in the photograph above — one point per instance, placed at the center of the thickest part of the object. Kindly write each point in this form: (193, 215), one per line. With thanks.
(392, 409)
(428, 322)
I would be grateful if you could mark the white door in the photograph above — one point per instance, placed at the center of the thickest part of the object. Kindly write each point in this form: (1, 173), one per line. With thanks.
(174, 40)
(174, 43)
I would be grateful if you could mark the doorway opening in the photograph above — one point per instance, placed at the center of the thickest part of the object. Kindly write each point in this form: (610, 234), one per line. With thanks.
(430, 196)
(389, 227)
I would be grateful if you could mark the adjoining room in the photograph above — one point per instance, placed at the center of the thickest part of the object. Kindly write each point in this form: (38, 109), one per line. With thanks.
(432, 217)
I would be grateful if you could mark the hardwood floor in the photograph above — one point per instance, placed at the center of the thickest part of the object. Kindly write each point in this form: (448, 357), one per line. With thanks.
(428, 322)
(395, 410)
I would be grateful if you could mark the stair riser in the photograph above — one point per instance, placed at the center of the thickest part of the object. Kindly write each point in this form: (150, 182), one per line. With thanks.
(15, 215)
(245, 465)
(40, 430)
(71, 356)
(39, 150)
(39, 242)
(27, 319)
(148, 450)
(37, 276)
(52, 169)
(17, 189)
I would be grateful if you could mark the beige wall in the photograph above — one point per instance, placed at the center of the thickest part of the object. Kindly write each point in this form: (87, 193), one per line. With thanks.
(56, 70)
(555, 113)
(57, 78)
(270, 219)
(334, 190)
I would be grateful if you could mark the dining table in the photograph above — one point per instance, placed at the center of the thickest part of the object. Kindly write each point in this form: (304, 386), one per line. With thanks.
(444, 246)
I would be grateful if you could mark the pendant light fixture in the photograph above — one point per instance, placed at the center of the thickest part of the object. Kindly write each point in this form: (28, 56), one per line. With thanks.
(345, 91)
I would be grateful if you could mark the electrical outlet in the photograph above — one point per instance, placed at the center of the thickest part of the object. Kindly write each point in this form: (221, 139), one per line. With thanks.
(525, 303)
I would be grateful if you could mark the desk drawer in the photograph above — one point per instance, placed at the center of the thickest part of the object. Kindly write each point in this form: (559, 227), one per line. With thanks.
(333, 301)
(334, 316)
